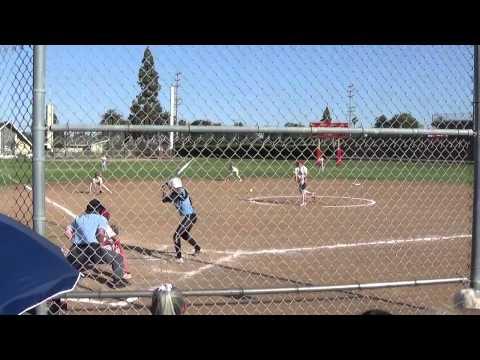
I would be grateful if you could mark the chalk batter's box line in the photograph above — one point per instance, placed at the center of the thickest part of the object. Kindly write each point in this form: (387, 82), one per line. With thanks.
(232, 255)
(324, 247)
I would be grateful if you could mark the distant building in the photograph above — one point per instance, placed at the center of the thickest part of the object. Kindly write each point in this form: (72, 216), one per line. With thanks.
(13, 142)
(98, 147)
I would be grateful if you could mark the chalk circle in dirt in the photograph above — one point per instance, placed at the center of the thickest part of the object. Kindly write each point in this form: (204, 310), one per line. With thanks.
(325, 201)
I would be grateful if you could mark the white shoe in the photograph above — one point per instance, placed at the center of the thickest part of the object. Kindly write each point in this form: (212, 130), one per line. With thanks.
(127, 276)
(303, 204)
(179, 260)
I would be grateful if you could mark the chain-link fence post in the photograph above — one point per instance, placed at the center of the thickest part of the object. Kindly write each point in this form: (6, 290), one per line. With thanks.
(475, 276)
(38, 137)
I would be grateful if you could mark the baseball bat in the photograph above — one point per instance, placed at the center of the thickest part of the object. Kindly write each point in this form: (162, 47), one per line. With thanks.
(106, 188)
(183, 168)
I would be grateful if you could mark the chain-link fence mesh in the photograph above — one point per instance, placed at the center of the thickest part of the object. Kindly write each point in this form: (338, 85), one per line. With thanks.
(16, 89)
(378, 209)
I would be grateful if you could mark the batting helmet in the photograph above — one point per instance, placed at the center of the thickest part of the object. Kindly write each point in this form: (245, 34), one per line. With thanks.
(175, 183)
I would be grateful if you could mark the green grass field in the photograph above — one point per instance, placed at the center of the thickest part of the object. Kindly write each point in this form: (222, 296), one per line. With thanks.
(216, 169)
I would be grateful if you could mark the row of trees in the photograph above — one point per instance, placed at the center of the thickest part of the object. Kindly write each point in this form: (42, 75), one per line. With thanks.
(398, 121)
(455, 122)
(402, 120)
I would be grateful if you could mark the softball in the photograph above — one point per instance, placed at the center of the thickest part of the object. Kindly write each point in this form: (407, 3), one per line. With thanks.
(251, 190)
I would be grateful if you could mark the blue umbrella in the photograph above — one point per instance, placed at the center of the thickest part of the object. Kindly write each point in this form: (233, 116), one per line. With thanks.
(32, 269)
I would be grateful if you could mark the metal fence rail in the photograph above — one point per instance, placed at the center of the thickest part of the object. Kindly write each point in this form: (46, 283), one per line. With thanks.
(268, 291)
(259, 130)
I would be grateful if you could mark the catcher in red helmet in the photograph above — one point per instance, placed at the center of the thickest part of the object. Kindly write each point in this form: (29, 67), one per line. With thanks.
(112, 242)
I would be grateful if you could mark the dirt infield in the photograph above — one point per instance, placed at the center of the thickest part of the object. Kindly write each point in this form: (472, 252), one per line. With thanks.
(351, 233)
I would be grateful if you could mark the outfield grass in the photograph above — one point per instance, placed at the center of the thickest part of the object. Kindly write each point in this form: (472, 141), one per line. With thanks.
(215, 169)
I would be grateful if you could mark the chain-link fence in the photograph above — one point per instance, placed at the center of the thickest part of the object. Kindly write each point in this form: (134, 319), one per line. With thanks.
(16, 103)
(381, 217)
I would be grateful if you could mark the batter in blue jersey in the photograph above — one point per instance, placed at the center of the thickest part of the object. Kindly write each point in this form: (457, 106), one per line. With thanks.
(180, 197)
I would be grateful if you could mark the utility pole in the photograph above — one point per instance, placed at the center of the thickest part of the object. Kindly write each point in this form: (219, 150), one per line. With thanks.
(351, 107)
(177, 99)
(174, 102)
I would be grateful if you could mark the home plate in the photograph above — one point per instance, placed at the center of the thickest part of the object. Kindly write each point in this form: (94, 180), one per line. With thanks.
(356, 183)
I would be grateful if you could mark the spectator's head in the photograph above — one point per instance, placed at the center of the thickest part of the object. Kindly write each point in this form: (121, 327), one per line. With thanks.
(94, 206)
(168, 300)
(376, 312)
(300, 162)
(97, 174)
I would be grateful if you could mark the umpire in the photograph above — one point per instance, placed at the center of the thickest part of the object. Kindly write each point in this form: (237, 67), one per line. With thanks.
(86, 232)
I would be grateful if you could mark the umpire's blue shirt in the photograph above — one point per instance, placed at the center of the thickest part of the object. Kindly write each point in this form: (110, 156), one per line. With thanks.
(85, 228)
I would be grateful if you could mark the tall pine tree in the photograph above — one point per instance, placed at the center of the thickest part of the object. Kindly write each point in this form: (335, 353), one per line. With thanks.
(326, 115)
(146, 108)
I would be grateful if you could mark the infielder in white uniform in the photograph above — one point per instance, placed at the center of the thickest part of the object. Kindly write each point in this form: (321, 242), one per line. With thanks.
(96, 184)
(104, 163)
(234, 172)
(301, 173)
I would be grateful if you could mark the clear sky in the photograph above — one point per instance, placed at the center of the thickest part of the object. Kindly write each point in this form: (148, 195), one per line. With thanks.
(268, 85)
(16, 85)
